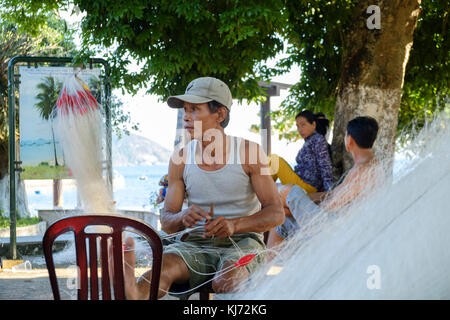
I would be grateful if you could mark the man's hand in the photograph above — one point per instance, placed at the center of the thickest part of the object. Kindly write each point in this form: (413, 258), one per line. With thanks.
(219, 227)
(194, 214)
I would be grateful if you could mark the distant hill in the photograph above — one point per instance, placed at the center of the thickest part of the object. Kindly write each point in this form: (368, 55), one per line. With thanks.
(137, 150)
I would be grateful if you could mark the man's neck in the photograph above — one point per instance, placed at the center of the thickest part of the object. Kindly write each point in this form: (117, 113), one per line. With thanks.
(205, 143)
(216, 147)
(362, 156)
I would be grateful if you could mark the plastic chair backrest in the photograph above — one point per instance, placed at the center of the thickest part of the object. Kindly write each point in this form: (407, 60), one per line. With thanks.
(78, 224)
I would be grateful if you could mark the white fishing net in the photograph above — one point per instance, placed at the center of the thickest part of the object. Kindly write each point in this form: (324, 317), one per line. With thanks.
(80, 130)
(391, 243)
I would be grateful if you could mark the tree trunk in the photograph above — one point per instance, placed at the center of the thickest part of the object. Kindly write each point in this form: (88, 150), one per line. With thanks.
(21, 195)
(54, 145)
(57, 193)
(57, 183)
(372, 76)
(22, 209)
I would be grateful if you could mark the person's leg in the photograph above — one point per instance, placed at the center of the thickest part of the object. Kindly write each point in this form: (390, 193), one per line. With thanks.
(280, 169)
(229, 277)
(173, 269)
(274, 239)
(229, 281)
(273, 242)
(302, 208)
(280, 233)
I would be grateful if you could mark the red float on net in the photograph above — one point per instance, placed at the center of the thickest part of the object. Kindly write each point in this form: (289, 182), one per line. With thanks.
(245, 260)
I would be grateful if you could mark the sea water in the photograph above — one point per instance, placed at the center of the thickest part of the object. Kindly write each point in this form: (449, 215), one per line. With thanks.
(135, 187)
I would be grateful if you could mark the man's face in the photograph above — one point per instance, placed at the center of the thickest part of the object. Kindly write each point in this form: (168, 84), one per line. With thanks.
(198, 117)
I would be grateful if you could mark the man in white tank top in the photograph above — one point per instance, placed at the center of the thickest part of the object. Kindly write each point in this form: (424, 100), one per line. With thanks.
(216, 171)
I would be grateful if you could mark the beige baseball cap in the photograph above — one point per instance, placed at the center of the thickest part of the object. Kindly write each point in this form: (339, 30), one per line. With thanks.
(202, 90)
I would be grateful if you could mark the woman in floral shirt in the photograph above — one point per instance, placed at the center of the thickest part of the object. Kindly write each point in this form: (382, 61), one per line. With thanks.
(313, 171)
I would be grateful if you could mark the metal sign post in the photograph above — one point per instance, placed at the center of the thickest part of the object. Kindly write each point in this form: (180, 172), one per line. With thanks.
(273, 90)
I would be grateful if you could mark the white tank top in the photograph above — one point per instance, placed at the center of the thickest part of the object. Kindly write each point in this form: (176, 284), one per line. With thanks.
(229, 188)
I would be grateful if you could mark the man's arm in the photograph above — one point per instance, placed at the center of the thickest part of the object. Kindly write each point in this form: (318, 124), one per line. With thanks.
(173, 218)
(271, 213)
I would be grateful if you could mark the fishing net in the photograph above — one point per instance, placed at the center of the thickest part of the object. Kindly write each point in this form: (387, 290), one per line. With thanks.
(80, 129)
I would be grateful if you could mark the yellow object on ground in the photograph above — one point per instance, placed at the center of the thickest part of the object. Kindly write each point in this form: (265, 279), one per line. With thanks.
(8, 264)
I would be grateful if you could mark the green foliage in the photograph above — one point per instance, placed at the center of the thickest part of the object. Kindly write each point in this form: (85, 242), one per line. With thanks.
(44, 171)
(121, 121)
(427, 80)
(21, 222)
(316, 32)
(177, 41)
(30, 16)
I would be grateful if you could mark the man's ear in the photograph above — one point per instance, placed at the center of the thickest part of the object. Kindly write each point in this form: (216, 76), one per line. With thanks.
(351, 141)
(222, 113)
(348, 141)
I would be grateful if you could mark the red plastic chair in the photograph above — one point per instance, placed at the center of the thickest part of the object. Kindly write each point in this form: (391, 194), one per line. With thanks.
(118, 224)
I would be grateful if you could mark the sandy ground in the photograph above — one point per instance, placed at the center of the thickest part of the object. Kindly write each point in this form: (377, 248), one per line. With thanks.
(35, 285)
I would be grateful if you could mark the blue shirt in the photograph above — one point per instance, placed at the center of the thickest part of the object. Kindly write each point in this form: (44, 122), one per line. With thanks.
(314, 163)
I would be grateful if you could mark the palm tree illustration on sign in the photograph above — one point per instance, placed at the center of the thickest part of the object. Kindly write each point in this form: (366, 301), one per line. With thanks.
(47, 97)
(49, 92)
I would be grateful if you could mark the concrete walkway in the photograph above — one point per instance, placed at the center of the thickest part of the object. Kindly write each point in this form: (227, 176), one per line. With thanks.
(32, 244)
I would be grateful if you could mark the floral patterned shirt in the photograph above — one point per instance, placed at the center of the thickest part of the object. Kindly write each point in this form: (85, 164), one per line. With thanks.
(314, 163)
